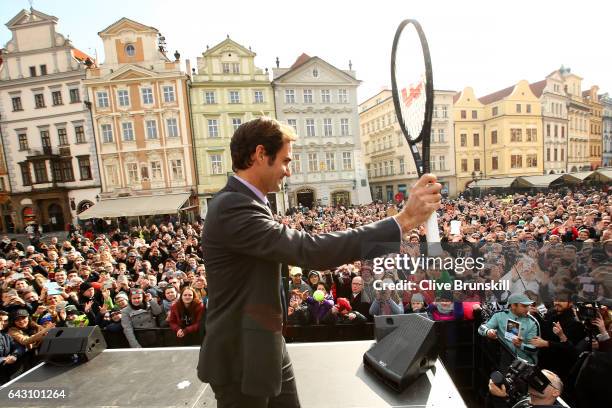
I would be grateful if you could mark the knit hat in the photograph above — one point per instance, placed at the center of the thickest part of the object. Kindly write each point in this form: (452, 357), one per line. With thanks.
(343, 304)
(84, 287)
(121, 295)
(72, 309)
(417, 297)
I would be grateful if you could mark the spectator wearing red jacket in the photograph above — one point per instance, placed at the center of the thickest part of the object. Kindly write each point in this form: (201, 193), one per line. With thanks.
(185, 316)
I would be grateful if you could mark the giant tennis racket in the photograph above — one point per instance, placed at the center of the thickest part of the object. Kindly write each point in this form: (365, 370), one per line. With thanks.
(412, 88)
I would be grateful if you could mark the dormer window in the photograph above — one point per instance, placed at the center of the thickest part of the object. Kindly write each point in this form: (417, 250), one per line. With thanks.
(130, 50)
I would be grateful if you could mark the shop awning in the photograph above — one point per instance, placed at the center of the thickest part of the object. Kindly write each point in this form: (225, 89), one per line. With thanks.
(581, 174)
(605, 174)
(546, 180)
(136, 206)
(503, 182)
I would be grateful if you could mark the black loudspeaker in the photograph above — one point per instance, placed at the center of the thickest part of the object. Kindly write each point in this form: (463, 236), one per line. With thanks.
(403, 352)
(72, 344)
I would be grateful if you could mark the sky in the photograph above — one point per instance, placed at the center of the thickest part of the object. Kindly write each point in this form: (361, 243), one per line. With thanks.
(487, 45)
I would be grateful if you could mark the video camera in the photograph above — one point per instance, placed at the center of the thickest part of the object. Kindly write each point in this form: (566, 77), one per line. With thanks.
(587, 311)
(520, 376)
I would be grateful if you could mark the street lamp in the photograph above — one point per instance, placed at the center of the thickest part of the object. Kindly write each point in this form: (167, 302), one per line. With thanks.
(286, 194)
(476, 176)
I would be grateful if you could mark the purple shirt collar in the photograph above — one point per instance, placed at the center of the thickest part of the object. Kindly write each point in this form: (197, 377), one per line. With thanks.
(254, 189)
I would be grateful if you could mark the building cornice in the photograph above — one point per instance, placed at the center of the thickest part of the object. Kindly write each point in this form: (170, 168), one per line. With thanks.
(33, 81)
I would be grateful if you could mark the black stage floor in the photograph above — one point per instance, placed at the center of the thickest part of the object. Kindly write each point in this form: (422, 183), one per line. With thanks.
(329, 375)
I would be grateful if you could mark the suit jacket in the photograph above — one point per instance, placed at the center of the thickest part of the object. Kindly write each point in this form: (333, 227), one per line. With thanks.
(244, 248)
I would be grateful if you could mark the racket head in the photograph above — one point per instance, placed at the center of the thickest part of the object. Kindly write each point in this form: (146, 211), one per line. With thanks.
(412, 85)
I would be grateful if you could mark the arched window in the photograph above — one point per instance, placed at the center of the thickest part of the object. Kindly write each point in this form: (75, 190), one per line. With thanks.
(130, 50)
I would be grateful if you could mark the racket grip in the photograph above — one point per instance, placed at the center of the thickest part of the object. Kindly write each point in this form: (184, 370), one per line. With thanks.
(434, 247)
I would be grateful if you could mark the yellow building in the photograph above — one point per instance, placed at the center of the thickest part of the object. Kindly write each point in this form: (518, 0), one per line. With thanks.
(227, 90)
(578, 157)
(498, 135)
(140, 110)
(468, 114)
(595, 125)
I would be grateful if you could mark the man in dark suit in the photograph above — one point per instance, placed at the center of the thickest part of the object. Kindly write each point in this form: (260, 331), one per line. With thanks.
(243, 356)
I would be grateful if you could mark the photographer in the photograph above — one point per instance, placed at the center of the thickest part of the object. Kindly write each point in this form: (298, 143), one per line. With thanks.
(546, 398)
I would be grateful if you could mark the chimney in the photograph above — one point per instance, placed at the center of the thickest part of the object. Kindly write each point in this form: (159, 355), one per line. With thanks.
(277, 62)
(188, 66)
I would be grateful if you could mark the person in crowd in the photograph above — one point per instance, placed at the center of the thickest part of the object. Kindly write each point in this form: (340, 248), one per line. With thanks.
(27, 334)
(417, 304)
(185, 316)
(345, 314)
(10, 351)
(356, 300)
(296, 282)
(140, 313)
(546, 398)
(320, 310)
(384, 304)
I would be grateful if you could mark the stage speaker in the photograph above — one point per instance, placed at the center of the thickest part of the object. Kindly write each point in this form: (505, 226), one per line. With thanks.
(404, 353)
(64, 345)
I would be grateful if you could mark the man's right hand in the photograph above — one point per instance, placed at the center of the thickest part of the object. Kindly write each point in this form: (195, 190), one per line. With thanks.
(492, 334)
(423, 200)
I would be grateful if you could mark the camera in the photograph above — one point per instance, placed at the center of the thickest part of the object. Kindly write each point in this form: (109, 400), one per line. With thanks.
(520, 376)
(587, 311)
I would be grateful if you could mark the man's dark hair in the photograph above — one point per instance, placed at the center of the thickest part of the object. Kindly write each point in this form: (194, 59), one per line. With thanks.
(260, 131)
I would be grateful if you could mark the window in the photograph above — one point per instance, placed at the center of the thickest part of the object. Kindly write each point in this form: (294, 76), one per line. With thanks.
(130, 50)
(474, 114)
(555, 151)
(315, 73)
(310, 127)
(172, 127)
(32, 71)
(112, 175)
(147, 96)
(39, 100)
(330, 161)
(463, 140)
(62, 136)
(235, 68)
(325, 96)
(216, 167)
(293, 124)
(296, 164)
(289, 95)
(259, 96)
(128, 131)
(532, 160)
(347, 161)
(176, 166)
(327, 127)
(516, 161)
(518, 108)
(236, 122)
(548, 130)
(79, 133)
(307, 95)
(151, 126)
(402, 165)
(494, 137)
(392, 167)
(548, 154)
(494, 163)
(441, 136)
(444, 111)
(516, 135)
(40, 172)
(168, 93)
(102, 99)
(442, 161)
(528, 108)
(144, 172)
(45, 140)
(132, 172)
(56, 98)
(313, 163)
(434, 163)
(464, 166)
(107, 133)
(344, 127)
(124, 97)
(213, 128)
(477, 164)
(23, 141)
(234, 96)
(226, 67)
(16, 103)
(26, 176)
(495, 111)
(532, 134)
(476, 137)
(65, 168)
(43, 69)
(209, 97)
(342, 96)
(463, 114)
(156, 170)
(75, 96)
(556, 130)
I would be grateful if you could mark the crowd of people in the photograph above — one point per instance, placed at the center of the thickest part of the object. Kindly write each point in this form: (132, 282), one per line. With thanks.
(553, 248)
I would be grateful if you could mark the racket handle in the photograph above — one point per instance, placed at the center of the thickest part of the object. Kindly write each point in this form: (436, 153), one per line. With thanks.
(434, 247)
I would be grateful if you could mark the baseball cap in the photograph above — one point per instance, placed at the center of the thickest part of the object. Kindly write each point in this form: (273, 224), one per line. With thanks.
(519, 298)
(296, 270)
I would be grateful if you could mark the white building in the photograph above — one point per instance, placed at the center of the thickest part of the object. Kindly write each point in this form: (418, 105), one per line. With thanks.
(46, 126)
(606, 101)
(320, 102)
